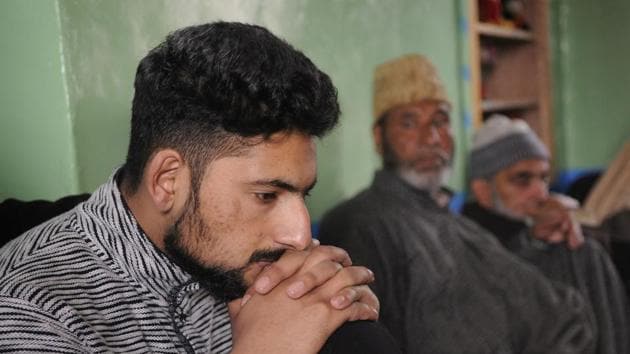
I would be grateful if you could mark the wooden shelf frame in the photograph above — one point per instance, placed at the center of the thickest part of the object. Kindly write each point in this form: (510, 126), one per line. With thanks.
(520, 80)
(491, 30)
(492, 106)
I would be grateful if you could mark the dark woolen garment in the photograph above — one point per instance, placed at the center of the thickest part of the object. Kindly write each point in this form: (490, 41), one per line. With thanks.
(587, 269)
(361, 337)
(446, 285)
(618, 227)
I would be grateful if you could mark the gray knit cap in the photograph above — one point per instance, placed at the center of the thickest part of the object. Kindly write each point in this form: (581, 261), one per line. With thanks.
(502, 142)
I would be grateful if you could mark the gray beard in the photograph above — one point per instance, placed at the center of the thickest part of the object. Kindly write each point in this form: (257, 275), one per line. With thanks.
(431, 182)
(500, 208)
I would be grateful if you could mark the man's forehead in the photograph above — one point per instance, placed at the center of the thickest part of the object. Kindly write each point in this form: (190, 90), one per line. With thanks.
(529, 166)
(438, 105)
(270, 154)
(248, 146)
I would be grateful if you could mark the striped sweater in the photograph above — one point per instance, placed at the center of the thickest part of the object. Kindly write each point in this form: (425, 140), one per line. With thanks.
(91, 281)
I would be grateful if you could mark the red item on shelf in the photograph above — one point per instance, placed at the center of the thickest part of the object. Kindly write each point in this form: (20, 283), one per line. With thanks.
(490, 11)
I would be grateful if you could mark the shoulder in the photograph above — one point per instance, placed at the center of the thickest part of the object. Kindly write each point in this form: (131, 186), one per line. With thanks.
(365, 216)
(34, 306)
(593, 258)
(52, 257)
(354, 207)
(28, 327)
(47, 276)
(46, 244)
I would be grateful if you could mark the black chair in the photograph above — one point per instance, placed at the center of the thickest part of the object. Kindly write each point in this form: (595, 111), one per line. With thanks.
(18, 216)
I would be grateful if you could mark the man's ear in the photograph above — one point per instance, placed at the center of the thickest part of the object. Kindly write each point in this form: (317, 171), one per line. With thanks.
(377, 134)
(166, 176)
(482, 190)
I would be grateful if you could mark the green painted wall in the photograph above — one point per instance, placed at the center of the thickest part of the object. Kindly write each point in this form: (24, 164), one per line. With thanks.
(68, 68)
(356, 38)
(35, 127)
(105, 39)
(591, 57)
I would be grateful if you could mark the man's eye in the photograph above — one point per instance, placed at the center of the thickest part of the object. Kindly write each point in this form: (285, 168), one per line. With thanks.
(266, 197)
(441, 122)
(522, 180)
(408, 123)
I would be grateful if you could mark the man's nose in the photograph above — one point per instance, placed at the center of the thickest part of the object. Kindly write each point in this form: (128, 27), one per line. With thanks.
(432, 134)
(294, 226)
(539, 189)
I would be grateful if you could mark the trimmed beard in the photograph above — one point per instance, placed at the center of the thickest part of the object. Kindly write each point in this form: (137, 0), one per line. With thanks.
(222, 283)
(429, 181)
(500, 208)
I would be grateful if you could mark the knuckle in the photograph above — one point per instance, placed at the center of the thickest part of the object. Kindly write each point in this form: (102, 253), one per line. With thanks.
(362, 274)
(344, 256)
(343, 253)
(363, 312)
(332, 267)
(331, 253)
(325, 251)
(309, 278)
(368, 274)
(374, 302)
(275, 270)
(322, 249)
(319, 253)
(351, 294)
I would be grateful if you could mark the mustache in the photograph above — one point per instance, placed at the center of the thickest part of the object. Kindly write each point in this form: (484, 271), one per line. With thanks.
(266, 255)
(429, 151)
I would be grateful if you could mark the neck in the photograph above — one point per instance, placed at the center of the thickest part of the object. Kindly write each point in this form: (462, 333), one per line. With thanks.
(151, 221)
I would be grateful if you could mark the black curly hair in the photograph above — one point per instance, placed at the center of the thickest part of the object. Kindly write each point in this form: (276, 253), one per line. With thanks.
(207, 87)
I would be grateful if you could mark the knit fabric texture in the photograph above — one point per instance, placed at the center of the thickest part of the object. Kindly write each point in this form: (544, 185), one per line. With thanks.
(502, 142)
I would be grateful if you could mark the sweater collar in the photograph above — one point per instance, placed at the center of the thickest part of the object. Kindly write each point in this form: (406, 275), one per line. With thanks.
(122, 243)
(502, 227)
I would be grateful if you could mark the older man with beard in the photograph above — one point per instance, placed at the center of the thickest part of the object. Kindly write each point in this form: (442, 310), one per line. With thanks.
(445, 284)
(509, 179)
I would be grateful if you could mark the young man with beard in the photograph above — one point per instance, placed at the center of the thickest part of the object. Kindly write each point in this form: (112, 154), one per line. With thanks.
(509, 179)
(209, 203)
(445, 285)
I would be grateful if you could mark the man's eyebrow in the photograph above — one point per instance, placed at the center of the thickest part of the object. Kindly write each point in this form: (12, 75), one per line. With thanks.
(531, 174)
(445, 107)
(524, 174)
(443, 110)
(278, 183)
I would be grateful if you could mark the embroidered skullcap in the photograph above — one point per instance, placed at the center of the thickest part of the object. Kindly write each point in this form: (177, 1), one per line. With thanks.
(410, 78)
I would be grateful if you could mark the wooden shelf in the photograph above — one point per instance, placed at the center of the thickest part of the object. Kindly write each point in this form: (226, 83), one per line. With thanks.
(491, 106)
(510, 68)
(495, 31)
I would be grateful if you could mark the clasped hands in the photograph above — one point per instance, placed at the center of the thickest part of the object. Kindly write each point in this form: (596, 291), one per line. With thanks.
(297, 302)
(554, 221)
